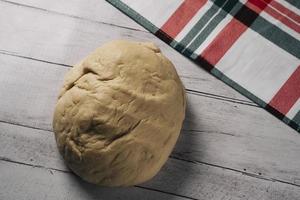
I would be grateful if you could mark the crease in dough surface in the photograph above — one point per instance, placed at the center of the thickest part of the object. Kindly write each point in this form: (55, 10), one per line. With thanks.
(119, 114)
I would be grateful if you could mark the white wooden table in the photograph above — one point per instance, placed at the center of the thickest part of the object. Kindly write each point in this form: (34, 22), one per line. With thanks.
(229, 148)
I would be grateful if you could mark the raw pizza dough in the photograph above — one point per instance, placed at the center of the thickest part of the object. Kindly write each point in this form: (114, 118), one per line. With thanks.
(119, 114)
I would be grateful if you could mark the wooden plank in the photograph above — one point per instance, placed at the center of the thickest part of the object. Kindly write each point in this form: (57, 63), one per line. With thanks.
(95, 10)
(217, 132)
(25, 182)
(212, 124)
(26, 146)
(61, 39)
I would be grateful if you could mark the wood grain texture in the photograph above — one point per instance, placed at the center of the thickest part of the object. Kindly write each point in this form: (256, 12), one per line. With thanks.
(26, 182)
(187, 179)
(216, 132)
(95, 10)
(228, 149)
(64, 40)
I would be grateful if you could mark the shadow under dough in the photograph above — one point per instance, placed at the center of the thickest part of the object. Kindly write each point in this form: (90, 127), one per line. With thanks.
(177, 175)
(171, 182)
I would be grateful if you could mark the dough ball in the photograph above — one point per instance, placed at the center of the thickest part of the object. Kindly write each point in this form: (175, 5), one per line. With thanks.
(119, 114)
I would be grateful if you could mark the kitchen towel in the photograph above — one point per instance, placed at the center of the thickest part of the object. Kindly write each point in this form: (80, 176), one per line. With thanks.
(251, 45)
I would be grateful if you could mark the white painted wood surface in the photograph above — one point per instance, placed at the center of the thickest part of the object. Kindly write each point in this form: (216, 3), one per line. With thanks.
(63, 39)
(207, 137)
(229, 148)
(37, 149)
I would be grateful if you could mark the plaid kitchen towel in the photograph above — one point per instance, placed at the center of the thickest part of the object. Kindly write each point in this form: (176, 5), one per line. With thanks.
(252, 45)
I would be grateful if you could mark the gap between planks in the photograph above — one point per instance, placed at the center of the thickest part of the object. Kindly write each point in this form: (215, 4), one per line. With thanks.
(190, 91)
(220, 97)
(70, 172)
(187, 130)
(72, 16)
(53, 63)
(196, 162)
(117, 32)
